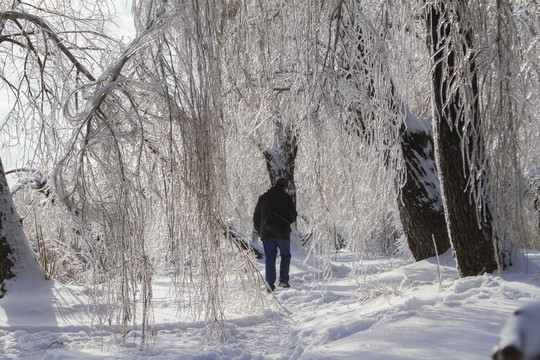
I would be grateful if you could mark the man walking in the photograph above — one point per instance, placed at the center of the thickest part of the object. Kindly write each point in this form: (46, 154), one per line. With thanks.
(273, 216)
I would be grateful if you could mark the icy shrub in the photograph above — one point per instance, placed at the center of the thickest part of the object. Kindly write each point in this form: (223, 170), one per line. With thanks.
(383, 239)
(57, 246)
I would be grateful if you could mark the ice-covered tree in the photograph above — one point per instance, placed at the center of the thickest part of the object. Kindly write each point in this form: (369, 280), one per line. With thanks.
(71, 120)
(29, 46)
(479, 163)
(157, 146)
(16, 257)
(378, 35)
(283, 76)
(366, 85)
(136, 150)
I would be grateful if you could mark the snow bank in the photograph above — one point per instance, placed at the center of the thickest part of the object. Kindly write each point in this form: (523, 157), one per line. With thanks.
(391, 310)
(521, 333)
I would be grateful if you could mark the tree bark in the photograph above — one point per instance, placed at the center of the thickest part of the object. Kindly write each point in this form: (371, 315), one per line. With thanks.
(6, 265)
(6, 251)
(281, 156)
(420, 205)
(15, 253)
(470, 236)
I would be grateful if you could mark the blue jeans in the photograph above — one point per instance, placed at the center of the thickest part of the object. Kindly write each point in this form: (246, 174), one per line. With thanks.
(271, 245)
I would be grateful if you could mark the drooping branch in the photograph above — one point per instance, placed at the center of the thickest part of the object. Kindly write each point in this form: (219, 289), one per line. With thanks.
(364, 70)
(456, 124)
(16, 15)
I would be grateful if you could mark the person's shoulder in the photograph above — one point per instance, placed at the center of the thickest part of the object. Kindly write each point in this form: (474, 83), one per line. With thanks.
(266, 194)
(289, 198)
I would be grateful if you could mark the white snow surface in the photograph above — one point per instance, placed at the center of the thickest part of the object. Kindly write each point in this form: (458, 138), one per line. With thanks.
(393, 309)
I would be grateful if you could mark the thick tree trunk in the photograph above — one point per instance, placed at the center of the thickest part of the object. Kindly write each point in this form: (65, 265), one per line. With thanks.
(15, 253)
(6, 251)
(420, 205)
(6, 264)
(470, 236)
(281, 156)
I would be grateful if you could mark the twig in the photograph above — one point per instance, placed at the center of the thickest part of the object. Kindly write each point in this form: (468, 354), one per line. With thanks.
(256, 269)
(438, 263)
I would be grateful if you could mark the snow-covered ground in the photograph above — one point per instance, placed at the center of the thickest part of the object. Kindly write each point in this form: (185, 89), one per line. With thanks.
(391, 310)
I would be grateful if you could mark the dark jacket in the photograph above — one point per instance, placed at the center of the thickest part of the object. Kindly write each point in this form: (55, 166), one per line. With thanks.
(274, 213)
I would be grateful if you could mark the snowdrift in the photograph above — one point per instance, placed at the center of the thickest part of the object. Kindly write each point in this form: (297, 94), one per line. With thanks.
(391, 309)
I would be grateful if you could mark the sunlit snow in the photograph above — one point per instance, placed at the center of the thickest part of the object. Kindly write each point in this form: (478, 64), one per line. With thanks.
(393, 310)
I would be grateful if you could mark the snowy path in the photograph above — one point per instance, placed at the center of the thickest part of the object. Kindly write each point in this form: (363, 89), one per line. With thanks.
(391, 312)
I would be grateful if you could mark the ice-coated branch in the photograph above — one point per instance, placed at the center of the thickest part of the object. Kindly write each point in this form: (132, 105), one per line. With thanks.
(40, 22)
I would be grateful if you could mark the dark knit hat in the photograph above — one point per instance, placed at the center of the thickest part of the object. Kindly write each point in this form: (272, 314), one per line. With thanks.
(282, 182)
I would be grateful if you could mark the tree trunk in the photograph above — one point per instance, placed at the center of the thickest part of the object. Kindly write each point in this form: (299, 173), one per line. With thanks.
(15, 254)
(6, 251)
(471, 237)
(6, 265)
(281, 156)
(420, 205)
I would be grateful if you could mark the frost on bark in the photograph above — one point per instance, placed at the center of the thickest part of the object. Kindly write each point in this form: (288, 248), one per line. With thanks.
(15, 254)
(281, 156)
(455, 125)
(6, 253)
(420, 204)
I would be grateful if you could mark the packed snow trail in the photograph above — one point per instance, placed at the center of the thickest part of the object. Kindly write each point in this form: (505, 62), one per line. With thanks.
(391, 310)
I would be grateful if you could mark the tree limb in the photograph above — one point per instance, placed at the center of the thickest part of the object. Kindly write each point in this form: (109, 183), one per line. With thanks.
(17, 15)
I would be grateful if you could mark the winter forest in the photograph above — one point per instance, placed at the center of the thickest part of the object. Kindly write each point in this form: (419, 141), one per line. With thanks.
(408, 129)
